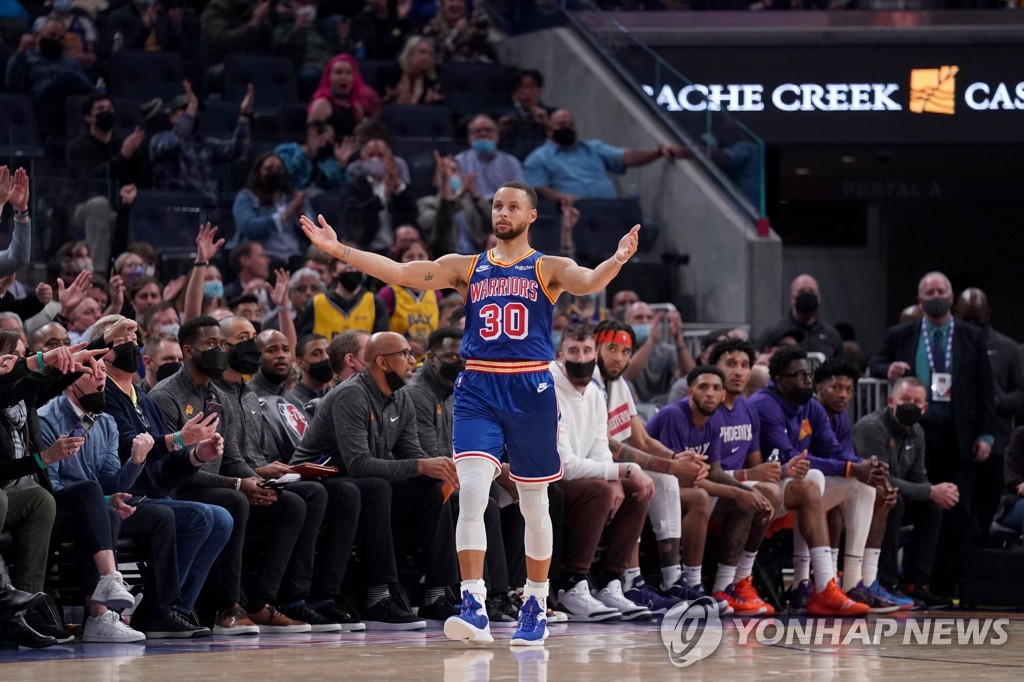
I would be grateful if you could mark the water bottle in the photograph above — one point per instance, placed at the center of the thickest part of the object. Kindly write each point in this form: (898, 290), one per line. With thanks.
(118, 41)
(360, 50)
(101, 85)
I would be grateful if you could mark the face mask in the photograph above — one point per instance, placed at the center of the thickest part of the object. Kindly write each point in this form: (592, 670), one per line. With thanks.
(171, 328)
(126, 357)
(321, 371)
(63, 6)
(801, 396)
(564, 137)
(168, 369)
(580, 370)
(806, 302)
(133, 274)
(556, 339)
(936, 307)
(326, 152)
(105, 121)
(274, 182)
(484, 147)
(212, 362)
(374, 167)
(451, 370)
(213, 289)
(642, 331)
(150, 271)
(394, 380)
(908, 414)
(93, 403)
(350, 281)
(456, 184)
(244, 357)
(50, 49)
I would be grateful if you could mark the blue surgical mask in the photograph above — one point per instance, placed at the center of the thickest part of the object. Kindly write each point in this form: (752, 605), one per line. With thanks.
(456, 183)
(484, 147)
(213, 289)
(63, 6)
(642, 331)
(556, 339)
(374, 167)
(171, 328)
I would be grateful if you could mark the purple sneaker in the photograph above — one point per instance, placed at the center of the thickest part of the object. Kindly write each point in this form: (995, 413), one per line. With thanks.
(798, 597)
(643, 594)
(692, 593)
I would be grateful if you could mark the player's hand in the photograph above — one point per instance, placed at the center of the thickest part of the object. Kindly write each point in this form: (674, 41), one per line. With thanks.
(945, 495)
(440, 468)
(886, 497)
(690, 469)
(322, 236)
(628, 245)
(797, 467)
(768, 472)
(753, 502)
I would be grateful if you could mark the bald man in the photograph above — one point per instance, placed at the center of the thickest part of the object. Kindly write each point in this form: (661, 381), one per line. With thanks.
(276, 360)
(49, 336)
(951, 359)
(804, 305)
(1007, 362)
(376, 420)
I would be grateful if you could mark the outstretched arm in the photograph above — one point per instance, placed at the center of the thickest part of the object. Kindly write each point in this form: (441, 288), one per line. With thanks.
(563, 274)
(447, 271)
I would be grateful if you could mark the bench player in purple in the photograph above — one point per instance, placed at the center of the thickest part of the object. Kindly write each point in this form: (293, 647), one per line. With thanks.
(505, 399)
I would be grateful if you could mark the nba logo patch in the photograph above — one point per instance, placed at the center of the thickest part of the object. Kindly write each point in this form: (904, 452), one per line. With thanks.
(805, 429)
(293, 418)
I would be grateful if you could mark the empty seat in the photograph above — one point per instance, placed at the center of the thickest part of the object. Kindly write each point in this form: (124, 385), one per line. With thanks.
(470, 88)
(291, 121)
(166, 218)
(418, 120)
(545, 234)
(126, 116)
(273, 79)
(418, 153)
(330, 205)
(18, 129)
(601, 226)
(145, 75)
(218, 119)
(379, 73)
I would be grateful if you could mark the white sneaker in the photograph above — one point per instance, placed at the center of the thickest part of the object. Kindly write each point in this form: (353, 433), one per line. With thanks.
(109, 628)
(612, 597)
(112, 592)
(580, 605)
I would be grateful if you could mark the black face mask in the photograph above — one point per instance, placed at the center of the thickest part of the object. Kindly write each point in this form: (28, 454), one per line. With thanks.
(908, 414)
(105, 121)
(93, 403)
(801, 395)
(394, 380)
(212, 362)
(126, 357)
(50, 49)
(564, 137)
(275, 182)
(580, 370)
(451, 370)
(936, 307)
(168, 369)
(350, 280)
(321, 371)
(244, 357)
(326, 152)
(806, 302)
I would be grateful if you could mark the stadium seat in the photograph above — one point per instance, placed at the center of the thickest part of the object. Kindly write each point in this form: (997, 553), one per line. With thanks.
(379, 74)
(125, 109)
(272, 77)
(601, 226)
(145, 75)
(545, 234)
(218, 119)
(291, 121)
(418, 153)
(18, 129)
(470, 88)
(412, 120)
(330, 205)
(166, 218)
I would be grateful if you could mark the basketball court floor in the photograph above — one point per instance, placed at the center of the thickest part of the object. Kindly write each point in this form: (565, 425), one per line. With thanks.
(619, 652)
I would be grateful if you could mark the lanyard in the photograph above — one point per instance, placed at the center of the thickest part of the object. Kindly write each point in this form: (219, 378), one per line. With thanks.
(949, 346)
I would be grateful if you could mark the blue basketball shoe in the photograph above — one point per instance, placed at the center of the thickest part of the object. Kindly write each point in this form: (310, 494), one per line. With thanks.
(533, 625)
(471, 625)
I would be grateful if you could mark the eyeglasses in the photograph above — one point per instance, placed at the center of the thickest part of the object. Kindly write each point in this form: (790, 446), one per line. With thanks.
(407, 352)
(802, 375)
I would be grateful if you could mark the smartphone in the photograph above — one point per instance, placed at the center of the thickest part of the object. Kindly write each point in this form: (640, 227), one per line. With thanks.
(82, 427)
(213, 407)
(133, 501)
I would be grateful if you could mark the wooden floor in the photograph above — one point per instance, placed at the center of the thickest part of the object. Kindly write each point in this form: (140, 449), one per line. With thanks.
(619, 652)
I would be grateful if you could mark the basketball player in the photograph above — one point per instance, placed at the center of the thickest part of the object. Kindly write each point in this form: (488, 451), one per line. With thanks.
(505, 399)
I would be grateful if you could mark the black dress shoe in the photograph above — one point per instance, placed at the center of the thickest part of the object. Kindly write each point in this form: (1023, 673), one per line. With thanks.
(13, 599)
(18, 631)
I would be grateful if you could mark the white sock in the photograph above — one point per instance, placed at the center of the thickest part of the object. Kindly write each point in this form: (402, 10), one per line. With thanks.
(691, 575)
(629, 576)
(869, 571)
(475, 588)
(835, 560)
(724, 578)
(851, 571)
(670, 575)
(540, 591)
(746, 565)
(821, 562)
(801, 568)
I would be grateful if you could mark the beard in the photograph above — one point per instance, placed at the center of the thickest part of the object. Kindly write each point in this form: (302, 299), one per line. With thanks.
(607, 374)
(506, 234)
(705, 412)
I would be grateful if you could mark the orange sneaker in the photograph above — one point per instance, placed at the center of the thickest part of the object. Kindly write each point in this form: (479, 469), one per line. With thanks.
(832, 601)
(739, 605)
(745, 589)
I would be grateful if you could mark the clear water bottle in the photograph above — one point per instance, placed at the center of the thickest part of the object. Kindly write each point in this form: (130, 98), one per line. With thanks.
(118, 41)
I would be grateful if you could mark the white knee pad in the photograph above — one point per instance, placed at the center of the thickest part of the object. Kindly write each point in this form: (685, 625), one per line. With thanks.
(817, 477)
(665, 511)
(475, 476)
(533, 505)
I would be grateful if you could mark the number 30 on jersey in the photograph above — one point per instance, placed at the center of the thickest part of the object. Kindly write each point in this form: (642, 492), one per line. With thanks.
(510, 320)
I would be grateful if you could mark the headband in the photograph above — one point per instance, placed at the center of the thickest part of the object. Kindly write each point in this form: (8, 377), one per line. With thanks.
(620, 337)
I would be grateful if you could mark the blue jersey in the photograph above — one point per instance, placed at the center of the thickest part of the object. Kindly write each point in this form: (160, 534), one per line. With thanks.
(508, 310)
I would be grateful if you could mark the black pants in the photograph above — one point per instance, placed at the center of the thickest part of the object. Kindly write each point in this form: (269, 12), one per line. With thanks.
(419, 514)
(946, 463)
(495, 562)
(271, 532)
(374, 539)
(514, 531)
(299, 575)
(152, 525)
(919, 554)
(84, 518)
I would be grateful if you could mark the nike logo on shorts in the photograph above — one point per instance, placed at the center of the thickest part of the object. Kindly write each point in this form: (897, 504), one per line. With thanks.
(542, 387)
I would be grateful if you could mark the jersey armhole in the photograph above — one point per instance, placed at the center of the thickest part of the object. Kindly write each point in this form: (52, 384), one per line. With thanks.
(469, 277)
(540, 280)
